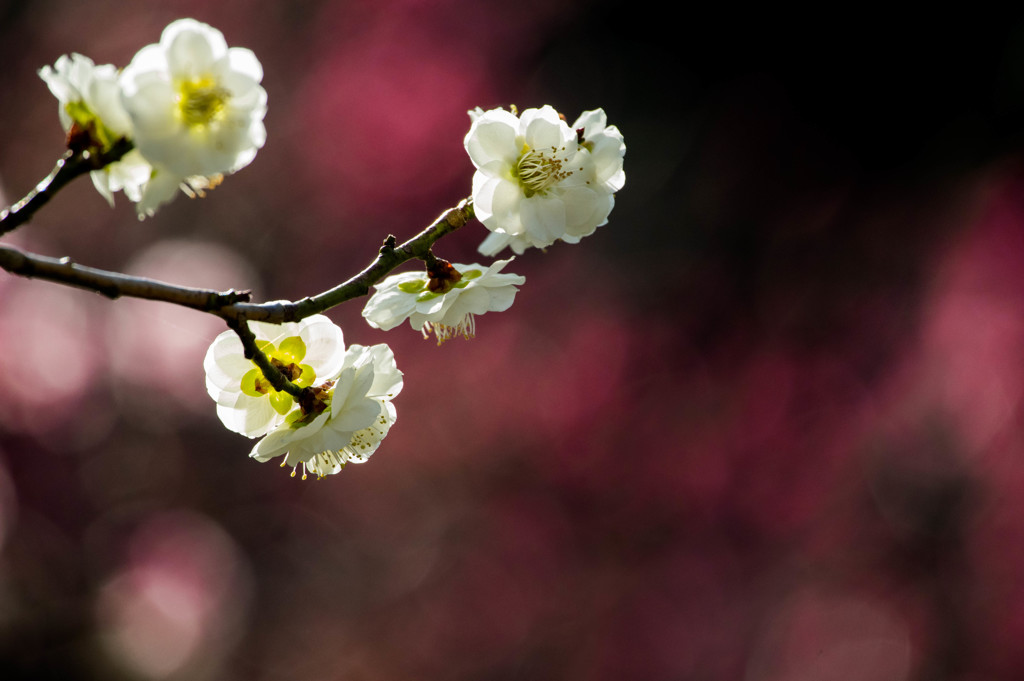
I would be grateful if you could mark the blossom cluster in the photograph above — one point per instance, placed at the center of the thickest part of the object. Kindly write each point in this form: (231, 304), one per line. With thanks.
(188, 110)
(191, 106)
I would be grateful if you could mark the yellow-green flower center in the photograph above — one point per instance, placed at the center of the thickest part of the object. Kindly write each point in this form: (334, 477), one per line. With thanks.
(537, 170)
(201, 101)
(420, 287)
(287, 356)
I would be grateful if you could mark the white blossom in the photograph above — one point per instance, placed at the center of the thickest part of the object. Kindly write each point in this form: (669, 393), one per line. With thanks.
(89, 97)
(197, 109)
(536, 181)
(307, 352)
(444, 304)
(346, 423)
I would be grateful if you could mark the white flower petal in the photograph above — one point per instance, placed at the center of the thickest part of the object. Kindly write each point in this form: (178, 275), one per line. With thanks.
(356, 416)
(161, 188)
(506, 208)
(325, 345)
(607, 153)
(255, 421)
(224, 362)
(387, 379)
(280, 440)
(501, 299)
(388, 308)
(494, 243)
(543, 219)
(192, 48)
(543, 129)
(101, 183)
(475, 301)
(591, 122)
(243, 61)
(493, 138)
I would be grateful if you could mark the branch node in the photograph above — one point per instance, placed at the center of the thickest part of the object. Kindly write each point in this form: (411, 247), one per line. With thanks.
(456, 217)
(112, 292)
(216, 301)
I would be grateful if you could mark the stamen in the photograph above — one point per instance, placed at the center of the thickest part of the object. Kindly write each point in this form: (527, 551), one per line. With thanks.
(201, 101)
(538, 170)
(465, 328)
(197, 185)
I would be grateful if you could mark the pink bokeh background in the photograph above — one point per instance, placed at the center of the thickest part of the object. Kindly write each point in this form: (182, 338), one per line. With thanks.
(764, 425)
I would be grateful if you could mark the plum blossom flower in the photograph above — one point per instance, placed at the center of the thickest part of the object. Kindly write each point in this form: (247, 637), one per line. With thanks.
(346, 421)
(306, 352)
(197, 108)
(444, 300)
(91, 114)
(537, 180)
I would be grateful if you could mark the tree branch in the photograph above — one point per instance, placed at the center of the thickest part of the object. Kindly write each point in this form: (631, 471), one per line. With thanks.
(232, 306)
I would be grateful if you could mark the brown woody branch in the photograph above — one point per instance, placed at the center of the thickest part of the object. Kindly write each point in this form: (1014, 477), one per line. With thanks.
(235, 306)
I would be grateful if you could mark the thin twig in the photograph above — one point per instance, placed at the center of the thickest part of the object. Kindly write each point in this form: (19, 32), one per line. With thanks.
(71, 165)
(387, 260)
(260, 359)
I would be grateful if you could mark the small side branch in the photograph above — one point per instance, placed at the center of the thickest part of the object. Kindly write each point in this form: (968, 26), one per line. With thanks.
(387, 260)
(235, 306)
(71, 165)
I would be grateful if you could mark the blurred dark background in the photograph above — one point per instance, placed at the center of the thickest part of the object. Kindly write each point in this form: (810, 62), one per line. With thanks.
(766, 424)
